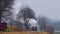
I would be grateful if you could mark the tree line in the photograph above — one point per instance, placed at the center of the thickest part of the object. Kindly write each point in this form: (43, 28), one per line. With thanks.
(27, 12)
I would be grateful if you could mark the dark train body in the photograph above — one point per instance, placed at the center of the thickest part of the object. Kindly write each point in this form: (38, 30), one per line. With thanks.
(3, 26)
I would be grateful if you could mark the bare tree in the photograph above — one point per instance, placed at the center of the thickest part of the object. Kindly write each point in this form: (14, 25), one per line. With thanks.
(5, 10)
(5, 6)
(42, 23)
(50, 29)
(27, 13)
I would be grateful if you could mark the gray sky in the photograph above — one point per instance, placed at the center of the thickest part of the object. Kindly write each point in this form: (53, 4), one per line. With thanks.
(49, 8)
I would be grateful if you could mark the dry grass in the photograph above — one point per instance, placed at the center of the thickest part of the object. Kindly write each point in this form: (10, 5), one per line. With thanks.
(15, 33)
(14, 28)
(40, 33)
(25, 33)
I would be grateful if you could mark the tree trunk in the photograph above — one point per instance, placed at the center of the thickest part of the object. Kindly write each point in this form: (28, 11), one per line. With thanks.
(0, 15)
(1, 8)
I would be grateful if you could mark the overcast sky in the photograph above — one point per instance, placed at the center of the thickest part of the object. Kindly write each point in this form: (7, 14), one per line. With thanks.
(49, 8)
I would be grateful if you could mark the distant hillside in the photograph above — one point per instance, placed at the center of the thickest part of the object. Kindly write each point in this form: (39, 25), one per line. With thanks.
(55, 23)
(57, 26)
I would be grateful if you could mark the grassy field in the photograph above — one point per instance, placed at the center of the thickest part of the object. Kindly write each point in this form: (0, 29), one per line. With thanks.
(24, 32)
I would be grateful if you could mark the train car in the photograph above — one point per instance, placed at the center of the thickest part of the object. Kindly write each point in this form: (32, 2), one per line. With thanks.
(3, 26)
